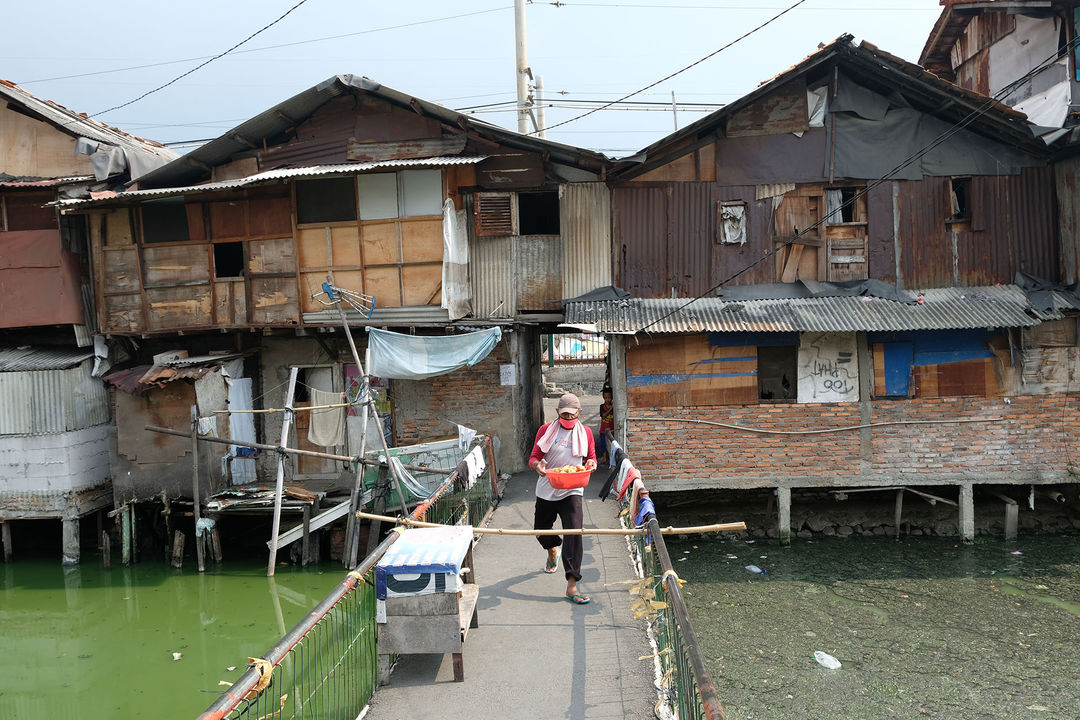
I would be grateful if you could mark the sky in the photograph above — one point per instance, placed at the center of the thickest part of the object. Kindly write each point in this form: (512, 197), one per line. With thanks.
(458, 54)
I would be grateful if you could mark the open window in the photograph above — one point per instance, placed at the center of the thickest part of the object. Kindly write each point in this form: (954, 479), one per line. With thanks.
(778, 373)
(505, 214)
(959, 200)
(538, 213)
(228, 259)
(325, 200)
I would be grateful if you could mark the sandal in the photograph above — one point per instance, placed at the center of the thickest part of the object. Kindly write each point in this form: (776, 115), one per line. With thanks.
(579, 599)
(551, 566)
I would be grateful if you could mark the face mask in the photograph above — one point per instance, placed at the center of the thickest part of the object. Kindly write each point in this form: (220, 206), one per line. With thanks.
(567, 424)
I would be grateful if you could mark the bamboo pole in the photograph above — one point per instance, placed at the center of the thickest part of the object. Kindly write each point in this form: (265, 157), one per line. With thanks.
(273, 410)
(719, 527)
(295, 451)
(280, 484)
(352, 530)
(199, 540)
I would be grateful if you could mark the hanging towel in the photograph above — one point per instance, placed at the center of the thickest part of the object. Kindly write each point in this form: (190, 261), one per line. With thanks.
(465, 436)
(614, 448)
(631, 475)
(327, 426)
(645, 511)
(475, 461)
(617, 460)
(579, 439)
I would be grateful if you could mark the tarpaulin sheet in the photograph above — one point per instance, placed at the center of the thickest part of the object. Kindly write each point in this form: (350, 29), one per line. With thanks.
(415, 357)
(424, 553)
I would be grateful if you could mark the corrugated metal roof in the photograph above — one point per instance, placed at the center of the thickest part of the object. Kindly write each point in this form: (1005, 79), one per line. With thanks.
(940, 309)
(79, 125)
(283, 174)
(8, 181)
(29, 358)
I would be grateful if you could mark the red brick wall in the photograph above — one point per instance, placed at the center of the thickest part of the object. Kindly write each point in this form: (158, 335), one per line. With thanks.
(1028, 438)
(428, 409)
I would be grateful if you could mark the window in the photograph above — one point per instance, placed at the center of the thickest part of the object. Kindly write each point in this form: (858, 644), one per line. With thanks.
(538, 213)
(504, 214)
(844, 205)
(960, 199)
(27, 211)
(228, 260)
(731, 223)
(412, 193)
(325, 200)
(777, 373)
(164, 221)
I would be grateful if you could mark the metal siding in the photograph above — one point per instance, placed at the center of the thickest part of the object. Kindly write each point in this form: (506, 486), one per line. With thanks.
(585, 223)
(693, 233)
(926, 248)
(1035, 224)
(641, 240)
(537, 272)
(730, 259)
(491, 269)
(34, 402)
(1067, 180)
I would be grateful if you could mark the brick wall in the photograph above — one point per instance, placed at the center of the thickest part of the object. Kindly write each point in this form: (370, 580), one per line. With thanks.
(428, 409)
(1025, 442)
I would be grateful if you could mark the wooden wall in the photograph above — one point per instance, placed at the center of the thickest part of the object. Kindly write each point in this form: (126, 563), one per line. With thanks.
(32, 148)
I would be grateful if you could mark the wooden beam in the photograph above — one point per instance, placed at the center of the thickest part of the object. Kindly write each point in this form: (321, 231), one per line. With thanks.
(279, 485)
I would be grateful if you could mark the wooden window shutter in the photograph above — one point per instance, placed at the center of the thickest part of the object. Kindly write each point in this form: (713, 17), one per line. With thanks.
(494, 214)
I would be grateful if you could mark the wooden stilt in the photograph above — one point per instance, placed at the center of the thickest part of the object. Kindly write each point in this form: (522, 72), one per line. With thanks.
(166, 511)
(134, 532)
(178, 550)
(898, 510)
(783, 515)
(100, 521)
(305, 554)
(125, 534)
(380, 507)
(5, 536)
(316, 509)
(200, 538)
(1012, 517)
(215, 542)
(106, 550)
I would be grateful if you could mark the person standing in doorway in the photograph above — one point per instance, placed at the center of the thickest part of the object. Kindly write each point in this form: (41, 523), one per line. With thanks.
(565, 441)
(607, 422)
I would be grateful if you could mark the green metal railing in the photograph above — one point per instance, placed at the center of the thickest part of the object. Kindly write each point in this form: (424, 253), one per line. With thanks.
(326, 667)
(686, 686)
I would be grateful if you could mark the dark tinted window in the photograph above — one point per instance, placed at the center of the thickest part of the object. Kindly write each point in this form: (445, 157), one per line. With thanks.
(325, 200)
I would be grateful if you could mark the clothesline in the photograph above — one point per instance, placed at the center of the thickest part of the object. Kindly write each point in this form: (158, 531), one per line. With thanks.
(295, 409)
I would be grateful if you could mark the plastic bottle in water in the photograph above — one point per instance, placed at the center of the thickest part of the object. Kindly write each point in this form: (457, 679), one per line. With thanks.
(826, 660)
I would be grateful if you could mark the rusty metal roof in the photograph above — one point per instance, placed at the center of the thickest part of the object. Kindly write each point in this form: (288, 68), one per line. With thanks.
(275, 124)
(996, 306)
(40, 358)
(9, 181)
(269, 176)
(80, 125)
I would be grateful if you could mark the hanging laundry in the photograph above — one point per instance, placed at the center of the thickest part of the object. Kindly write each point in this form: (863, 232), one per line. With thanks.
(327, 426)
(613, 449)
(415, 357)
(632, 474)
(464, 436)
(476, 464)
(208, 425)
(617, 461)
(645, 512)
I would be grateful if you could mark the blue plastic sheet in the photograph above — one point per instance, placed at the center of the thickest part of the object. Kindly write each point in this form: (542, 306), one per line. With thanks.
(415, 357)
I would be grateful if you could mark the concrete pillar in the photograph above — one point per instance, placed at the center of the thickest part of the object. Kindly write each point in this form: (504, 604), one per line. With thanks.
(5, 537)
(71, 541)
(783, 513)
(1012, 515)
(967, 513)
(898, 511)
(617, 367)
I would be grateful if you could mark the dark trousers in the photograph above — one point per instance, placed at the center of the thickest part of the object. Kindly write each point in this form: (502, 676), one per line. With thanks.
(568, 510)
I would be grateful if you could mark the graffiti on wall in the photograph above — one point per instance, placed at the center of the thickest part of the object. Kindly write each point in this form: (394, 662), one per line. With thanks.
(828, 368)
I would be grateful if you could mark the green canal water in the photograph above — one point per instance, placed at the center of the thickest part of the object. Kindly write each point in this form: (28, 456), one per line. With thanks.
(923, 627)
(92, 644)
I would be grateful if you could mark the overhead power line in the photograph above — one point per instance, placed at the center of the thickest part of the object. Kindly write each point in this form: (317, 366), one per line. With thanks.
(204, 64)
(677, 72)
(955, 128)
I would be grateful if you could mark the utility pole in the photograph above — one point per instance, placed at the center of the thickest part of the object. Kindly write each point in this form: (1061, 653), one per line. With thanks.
(674, 110)
(541, 119)
(523, 71)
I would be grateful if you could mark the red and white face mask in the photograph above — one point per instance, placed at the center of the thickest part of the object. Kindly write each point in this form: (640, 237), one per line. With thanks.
(567, 424)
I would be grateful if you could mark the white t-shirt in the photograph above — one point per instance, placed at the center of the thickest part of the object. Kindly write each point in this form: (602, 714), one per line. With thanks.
(559, 455)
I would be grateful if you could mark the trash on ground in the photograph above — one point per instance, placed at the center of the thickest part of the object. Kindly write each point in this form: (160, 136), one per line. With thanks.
(755, 569)
(826, 660)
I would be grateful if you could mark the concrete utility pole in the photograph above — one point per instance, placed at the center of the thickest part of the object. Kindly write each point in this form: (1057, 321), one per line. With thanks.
(541, 119)
(523, 72)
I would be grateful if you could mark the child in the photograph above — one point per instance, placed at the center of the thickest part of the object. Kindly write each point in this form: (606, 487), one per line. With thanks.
(607, 422)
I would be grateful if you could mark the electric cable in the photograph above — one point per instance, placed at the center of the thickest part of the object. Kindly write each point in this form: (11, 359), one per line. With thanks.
(957, 127)
(677, 72)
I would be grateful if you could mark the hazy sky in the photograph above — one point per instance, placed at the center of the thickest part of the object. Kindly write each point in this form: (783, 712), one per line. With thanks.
(459, 54)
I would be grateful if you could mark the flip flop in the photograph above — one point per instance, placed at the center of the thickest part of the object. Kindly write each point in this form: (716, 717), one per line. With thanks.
(549, 566)
(579, 599)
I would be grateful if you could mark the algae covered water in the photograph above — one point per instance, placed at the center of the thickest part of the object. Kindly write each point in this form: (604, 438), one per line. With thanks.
(90, 643)
(922, 627)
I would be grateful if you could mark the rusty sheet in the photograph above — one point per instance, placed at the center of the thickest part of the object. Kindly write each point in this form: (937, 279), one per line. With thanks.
(34, 296)
(169, 407)
(782, 111)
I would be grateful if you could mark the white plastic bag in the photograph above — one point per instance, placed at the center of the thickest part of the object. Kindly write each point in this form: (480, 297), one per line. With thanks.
(826, 660)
